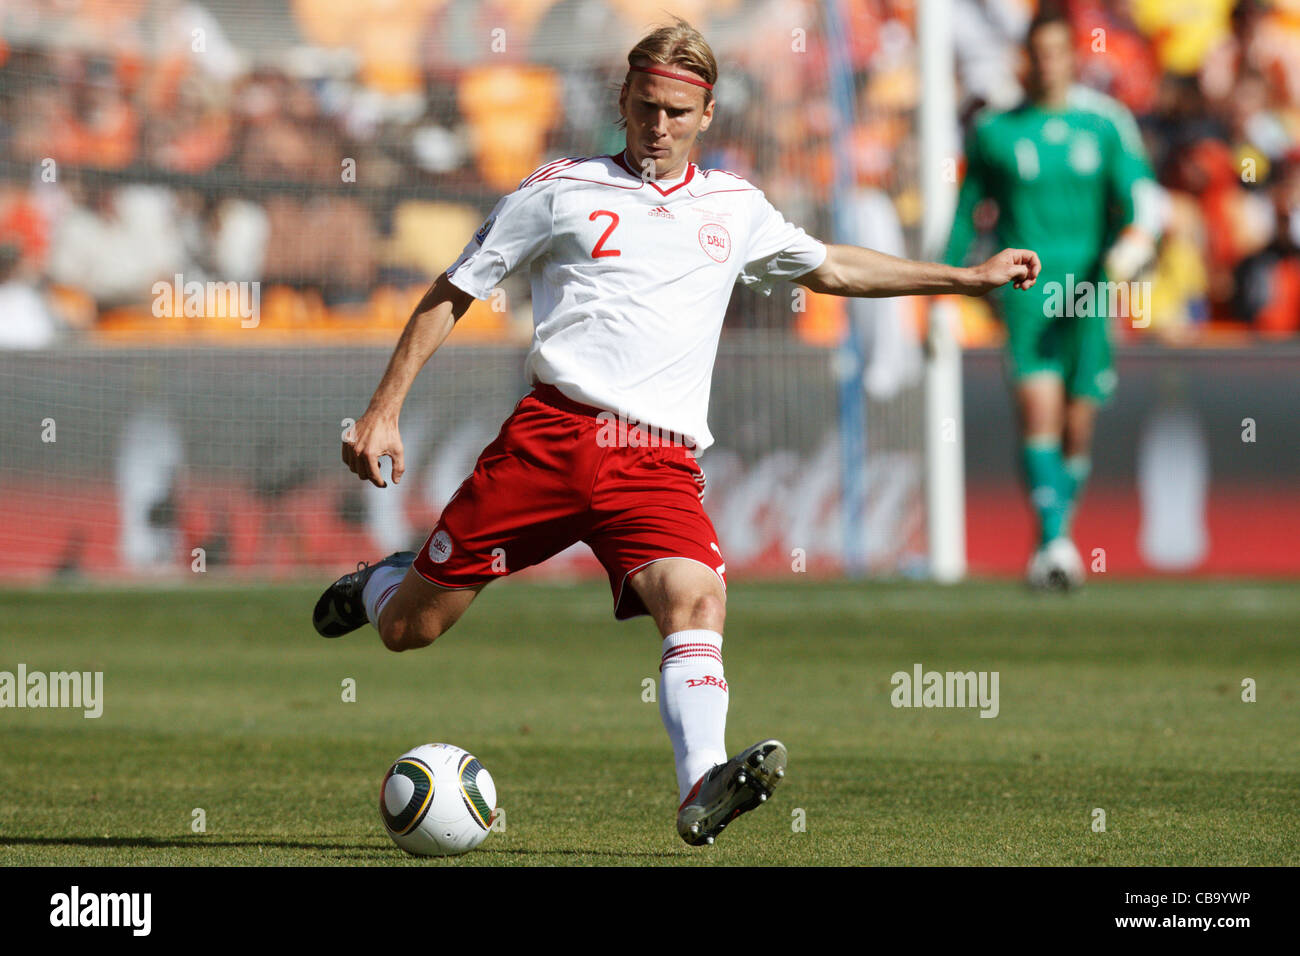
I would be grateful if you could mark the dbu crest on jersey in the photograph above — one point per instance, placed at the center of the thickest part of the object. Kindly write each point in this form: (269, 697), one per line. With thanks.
(715, 241)
(440, 547)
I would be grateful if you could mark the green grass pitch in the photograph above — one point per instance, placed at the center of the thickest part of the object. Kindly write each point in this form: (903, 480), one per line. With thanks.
(1126, 697)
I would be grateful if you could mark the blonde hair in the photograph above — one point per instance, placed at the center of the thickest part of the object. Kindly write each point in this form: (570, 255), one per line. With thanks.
(677, 44)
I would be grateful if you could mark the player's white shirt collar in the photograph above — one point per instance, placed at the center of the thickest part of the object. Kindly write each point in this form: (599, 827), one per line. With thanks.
(665, 186)
(615, 170)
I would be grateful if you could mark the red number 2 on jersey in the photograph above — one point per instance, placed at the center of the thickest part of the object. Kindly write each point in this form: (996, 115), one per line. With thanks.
(597, 251)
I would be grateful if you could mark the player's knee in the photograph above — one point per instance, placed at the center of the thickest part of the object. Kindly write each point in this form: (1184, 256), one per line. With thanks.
(1074, 447)
(1077, 441)
(705, 611)
(404, 634)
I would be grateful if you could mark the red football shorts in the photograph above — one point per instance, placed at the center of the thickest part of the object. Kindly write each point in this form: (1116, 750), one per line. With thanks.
(552, 478)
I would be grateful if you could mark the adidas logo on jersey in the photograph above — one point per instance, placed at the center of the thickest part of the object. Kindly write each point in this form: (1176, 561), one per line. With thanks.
(662, 212)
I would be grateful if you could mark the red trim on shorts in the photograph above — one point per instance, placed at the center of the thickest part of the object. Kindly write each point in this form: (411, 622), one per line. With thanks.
(445, 587)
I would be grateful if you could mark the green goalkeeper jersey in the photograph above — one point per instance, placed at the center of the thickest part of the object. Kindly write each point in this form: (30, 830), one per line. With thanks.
(1064, 181)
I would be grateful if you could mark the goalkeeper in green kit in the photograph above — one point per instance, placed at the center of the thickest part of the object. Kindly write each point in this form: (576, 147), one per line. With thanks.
(1070, 179)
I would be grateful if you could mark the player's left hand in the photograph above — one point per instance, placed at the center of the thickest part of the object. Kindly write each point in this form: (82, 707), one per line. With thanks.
(1020, 267)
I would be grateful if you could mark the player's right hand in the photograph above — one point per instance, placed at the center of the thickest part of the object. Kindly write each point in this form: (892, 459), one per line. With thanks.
(373, 436)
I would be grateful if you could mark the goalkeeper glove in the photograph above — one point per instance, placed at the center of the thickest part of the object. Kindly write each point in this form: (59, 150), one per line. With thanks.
(1133, 252)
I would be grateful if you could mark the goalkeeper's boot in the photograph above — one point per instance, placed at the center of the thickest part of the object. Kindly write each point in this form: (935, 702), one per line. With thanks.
(1067, 572)
(1056, 566)
(730, 789)
(1038, 573)
(340, 609)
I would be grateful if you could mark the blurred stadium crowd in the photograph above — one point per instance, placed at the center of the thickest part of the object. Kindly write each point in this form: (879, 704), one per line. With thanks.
(340, 152)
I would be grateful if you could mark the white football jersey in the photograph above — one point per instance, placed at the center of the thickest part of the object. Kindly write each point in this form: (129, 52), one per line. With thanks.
(631, 279)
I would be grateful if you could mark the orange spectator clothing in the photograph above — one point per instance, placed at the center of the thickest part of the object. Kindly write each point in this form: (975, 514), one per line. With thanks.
(22, 222)
(110, 142)
(1282, 314)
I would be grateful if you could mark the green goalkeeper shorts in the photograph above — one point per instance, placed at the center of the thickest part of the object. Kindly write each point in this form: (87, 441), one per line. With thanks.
(1042, 339)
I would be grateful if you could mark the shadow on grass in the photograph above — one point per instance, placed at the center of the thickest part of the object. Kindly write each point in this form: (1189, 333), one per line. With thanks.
(159, 843)
(187, 843)
(613, 854)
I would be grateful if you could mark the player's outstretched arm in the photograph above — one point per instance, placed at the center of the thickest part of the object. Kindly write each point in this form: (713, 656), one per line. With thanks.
(855, 271)
(375, 433)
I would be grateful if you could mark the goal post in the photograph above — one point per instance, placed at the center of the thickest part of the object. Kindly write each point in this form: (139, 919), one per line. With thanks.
(945, 494)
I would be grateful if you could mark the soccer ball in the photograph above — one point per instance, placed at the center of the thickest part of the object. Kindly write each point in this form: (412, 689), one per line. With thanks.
(437, 800)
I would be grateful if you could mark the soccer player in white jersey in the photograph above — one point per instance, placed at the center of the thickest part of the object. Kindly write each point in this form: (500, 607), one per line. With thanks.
(632, 259)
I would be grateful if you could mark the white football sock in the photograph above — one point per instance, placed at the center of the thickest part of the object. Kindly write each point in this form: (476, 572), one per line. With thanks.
(693, 703)
(379, 590)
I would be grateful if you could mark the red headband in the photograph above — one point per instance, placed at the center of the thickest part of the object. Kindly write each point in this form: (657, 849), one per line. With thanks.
(659, 71)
